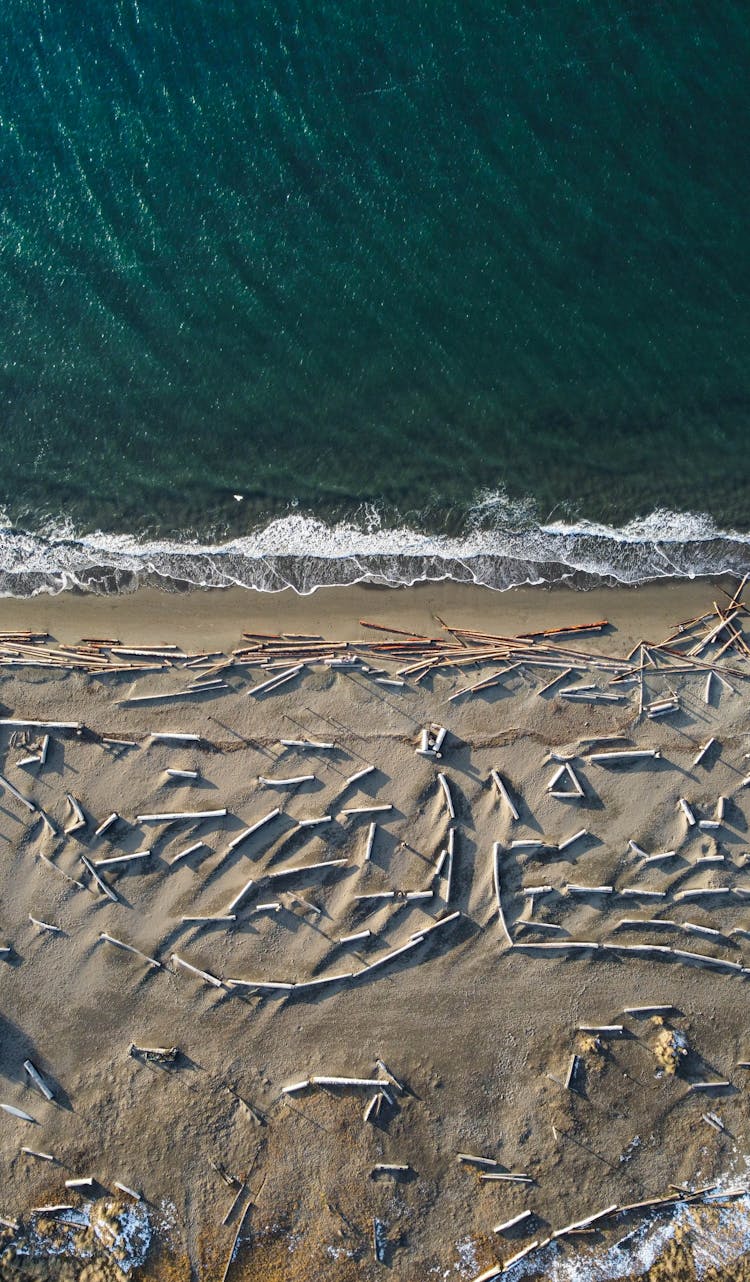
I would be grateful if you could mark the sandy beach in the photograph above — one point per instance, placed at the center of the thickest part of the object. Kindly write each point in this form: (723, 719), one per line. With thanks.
(470, 938)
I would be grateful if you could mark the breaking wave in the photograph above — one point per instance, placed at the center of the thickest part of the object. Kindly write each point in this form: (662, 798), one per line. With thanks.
(498, 547)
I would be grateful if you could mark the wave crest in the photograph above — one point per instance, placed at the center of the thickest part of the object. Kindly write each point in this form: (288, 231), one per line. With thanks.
(498, 547)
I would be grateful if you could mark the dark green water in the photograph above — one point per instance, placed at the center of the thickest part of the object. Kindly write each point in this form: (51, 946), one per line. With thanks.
(373, 261)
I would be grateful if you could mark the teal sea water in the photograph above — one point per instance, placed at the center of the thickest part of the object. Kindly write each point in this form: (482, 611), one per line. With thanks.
(434, 288)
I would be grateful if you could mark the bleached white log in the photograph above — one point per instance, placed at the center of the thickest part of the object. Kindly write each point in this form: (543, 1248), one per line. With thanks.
(367, 810)
(436, 925)
(38, 1080)
(108, 822)
(702, 752)
(167, 816)
(32, 1152)
(700, 930)
(582, 832)
(32, 760)
(716, 963)
(181, 774)
(718, 1085)
(360, 1082)
(45, 925)
(570, 945)
(447, 795)
(189, 850)
(300, 868)
(660, 857)
(603, 1030)
(82, 1182)
(496, 878)
(359, 774)
(5, 783)
(170, 696)
(621, 757)
(573, 889)
(395, 952)
(308, 743)
(511, 1224)
(314, 823)
(78, 815)
(172, 736)
(123, 1188)
(285, 783)
(17, 1112)
(636, 892)
(378, 894)
(687, 812)
(42, 725)
(508, 1177)
(149, 651)
(704, 893)
(351, 939)
(504, 794)
(276, 681)
(389, 1075)
(262, 985)
(119, 943)
(648, 1010)
(570, 1076)
(449, 875)
(370, 841)
(105, 889)
(709, 825)
(577, 1225)
(707, 691)
(202, 974)
(439, 740)
(557, 775)
(248, 832)
(295, 1086)
(239, 897)
(471, 1159)
(324, 979)
(209, 917)
(271, 906)
(662, 709)
(113, 860)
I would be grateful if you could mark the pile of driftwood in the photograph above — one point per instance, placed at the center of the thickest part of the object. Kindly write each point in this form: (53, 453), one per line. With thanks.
(696, 645)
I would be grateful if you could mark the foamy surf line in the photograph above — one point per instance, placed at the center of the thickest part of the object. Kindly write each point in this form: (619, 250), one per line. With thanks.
(304, 553)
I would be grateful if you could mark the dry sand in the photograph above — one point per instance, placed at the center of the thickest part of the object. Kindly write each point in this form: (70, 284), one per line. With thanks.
(480, 1035)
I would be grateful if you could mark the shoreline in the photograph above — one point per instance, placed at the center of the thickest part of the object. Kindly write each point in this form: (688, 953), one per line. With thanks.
(217, 616)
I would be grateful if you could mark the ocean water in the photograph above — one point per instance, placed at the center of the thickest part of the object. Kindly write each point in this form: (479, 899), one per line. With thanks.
(316, 292)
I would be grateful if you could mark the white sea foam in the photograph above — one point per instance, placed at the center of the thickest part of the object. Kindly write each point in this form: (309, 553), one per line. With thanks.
(500, 546)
